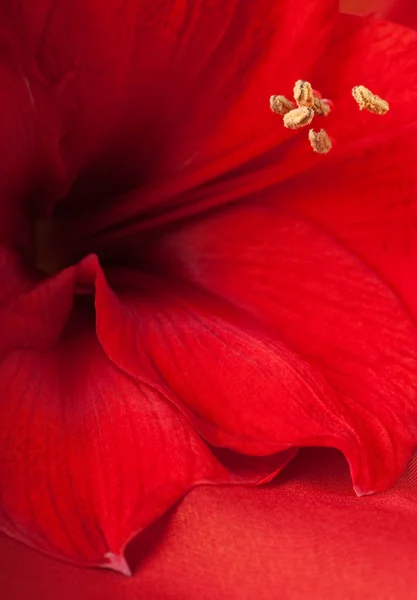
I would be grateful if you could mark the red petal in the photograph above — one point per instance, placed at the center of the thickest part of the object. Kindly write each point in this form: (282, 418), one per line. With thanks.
(400, 11)
(354, 54)
(383, 57)
(28, 144)
(363, 6)
(306, 534)
(332, 310)
(369, 204)
(231, 380)
(33, 312)
(90, 457)
(16, 149)
(166, 94)
(366, 197)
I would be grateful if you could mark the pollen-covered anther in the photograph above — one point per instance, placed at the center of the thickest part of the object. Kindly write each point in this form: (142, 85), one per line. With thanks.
(281, 105)
(299, 117)
(320, 141)
(321, 107)
(303, 93)
(369, 101)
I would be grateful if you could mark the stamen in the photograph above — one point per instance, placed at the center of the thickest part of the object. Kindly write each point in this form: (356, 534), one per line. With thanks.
(369, 101)
(321, 107)
(303, 93)
(281, 105)
(299, 117)
(320, 141)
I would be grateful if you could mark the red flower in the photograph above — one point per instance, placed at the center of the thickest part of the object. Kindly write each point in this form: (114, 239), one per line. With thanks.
(228, 295)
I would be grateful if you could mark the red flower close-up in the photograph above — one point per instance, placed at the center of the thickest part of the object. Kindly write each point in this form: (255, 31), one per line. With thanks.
(208, 374)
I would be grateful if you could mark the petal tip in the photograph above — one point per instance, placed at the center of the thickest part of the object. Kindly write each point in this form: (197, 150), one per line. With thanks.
(117, 562)
(361, 493)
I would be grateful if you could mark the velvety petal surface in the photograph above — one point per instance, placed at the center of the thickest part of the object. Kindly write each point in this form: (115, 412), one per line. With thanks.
(89, 456)
(327, 306)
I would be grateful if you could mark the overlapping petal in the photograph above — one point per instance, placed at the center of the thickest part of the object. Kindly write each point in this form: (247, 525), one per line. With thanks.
(293, 536)
(320, 300)
(374, 212)
(33, 310)
(307, 240)
(232, 381)
(89, 456)
(291, 324)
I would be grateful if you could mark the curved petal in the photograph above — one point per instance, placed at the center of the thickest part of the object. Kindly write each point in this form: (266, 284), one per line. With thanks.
(294, 535)
(369, 203)
(33, 312)
(89, 457)
(234, 383)
(328, 307)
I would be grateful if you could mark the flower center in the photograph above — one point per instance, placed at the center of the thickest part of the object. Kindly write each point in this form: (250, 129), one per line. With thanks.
(50, 251)
(63, 234)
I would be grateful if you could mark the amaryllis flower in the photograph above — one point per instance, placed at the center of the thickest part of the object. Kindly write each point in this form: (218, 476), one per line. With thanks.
(189, 293)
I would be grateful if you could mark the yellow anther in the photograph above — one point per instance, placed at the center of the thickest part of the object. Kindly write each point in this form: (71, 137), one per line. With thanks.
(321, 108)
(299, 117)
(369, 101)
(320, 141)
(303, 93)
(281, 105)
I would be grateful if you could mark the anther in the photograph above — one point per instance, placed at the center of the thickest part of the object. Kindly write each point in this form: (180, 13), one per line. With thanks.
(281, 105)
(320, 141)
(303, 93)
(321, 107)
(369, 101)
(299, 117)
